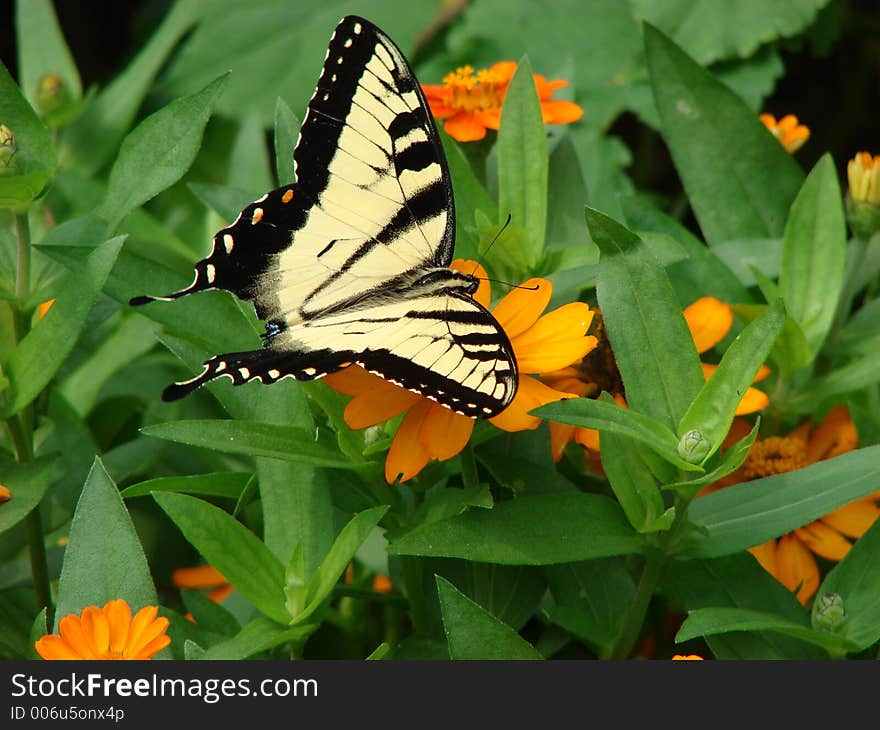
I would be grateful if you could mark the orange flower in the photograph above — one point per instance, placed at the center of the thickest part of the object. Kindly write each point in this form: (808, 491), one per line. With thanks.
(708, 319)
(107, 633)
(431, 431)
(203, 577)
(382, 583)
(5, 494)
(44, 307)
(790, 134)
(471, 102)
(687, 657)
(790, 559)
(863, 174)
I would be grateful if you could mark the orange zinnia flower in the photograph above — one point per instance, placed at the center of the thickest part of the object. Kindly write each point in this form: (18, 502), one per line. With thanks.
(708, 319)
(107, 633)
(790, 134)
(5, 494)
(431, 431)
(471, 102)
(863, 174)
(790, 558)
(687, 657)
(203, 577)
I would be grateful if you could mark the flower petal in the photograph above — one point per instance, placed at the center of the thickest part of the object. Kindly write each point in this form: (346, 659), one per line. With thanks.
(587, 437)
(119, 620)
(377, 406)
(824, 541)
(196, 577)
(834, 436)
(353, 380)
(52, 646)
(154, 646)
(464, 127)
(709, 320)
(530, 394)
(504, 70)
(754, 400)
(560, 435)
(5, 494)
(557, 111)
(796, 567)
(490, 118)
(96, 630)
(557, 339)
(853, 519)
(71, 630)
(145, 627)
(444, 433)
(546, 88)
(521, 307)
(407, 457)
(765, 554)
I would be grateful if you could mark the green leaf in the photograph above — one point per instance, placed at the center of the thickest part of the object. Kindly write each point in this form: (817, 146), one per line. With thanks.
(853, 376)
(710, 32)
(380, 652)
(566, 195)
(738, 581)
(158, 152)
(286, 133)
(342, 551)
(814, 254)
(711, 412)
(209, 615)
(232, 549)
(609, 417)
(591, 599)
(38, 356)
(730, 461)
(634, 484)
(652, 345)
(531, 530)
(739, 179)
(42, 49)
(33, 164)
(251, 438)
(104, 559)
(27, 483)
(473, 633)
(522, 162)
(856, 579)
(744, 256)
(711, 621)
(218, 484)
(93, 140)
(249, 166)
(748, 514)
(257, 636)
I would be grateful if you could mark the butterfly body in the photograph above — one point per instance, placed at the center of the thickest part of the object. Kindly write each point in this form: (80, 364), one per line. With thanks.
(350, 264)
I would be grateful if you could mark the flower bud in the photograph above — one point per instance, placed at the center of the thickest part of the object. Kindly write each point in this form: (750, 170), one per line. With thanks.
(693, 447)
(863, 197)
(52, 94)
(830, 612)
(7, 149)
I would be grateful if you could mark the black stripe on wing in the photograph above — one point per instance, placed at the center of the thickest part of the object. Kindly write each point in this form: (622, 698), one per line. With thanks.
(267, 366)
(243, 251)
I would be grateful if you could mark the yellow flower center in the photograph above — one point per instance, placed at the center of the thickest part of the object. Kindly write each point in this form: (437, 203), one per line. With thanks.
(475, 92)
(774, 455)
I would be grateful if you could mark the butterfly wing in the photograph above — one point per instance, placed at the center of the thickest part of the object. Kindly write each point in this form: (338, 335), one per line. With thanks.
(372, 200)
(445, 347)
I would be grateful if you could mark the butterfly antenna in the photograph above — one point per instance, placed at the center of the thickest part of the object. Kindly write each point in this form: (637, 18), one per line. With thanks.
(492, 243)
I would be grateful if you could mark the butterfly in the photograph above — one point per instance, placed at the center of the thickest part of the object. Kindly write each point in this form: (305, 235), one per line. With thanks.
(350, 264)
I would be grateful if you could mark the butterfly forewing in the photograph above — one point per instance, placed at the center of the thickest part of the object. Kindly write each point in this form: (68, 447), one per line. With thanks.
(329, 262)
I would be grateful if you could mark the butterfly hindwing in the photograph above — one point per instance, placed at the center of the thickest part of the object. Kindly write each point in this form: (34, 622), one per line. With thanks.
(336, 263)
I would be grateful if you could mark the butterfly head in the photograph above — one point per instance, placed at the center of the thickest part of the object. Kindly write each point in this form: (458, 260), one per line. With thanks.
(442, 280)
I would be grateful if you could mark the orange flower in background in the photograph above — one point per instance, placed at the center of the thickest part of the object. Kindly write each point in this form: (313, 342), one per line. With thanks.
(708, 319)
(202, 577)
(470, 102)
(687, 657)
(430, 431)
(44, 307)
(5, 494)
(787, 130)
(107, 633)
(790, 558)
(863, 174)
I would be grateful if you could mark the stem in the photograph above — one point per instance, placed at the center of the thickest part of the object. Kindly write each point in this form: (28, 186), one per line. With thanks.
(21, 425)
(629, 634)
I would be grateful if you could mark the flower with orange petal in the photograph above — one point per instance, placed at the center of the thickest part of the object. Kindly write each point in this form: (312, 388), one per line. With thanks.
(687, 657)
(5, 494)
(790, 558)
(203, 577)
(430, 431)
(708, 319)
(107, 633)
(787, 130)
(470, 102)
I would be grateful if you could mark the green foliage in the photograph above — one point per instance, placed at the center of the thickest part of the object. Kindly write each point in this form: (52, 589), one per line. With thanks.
(516, 546)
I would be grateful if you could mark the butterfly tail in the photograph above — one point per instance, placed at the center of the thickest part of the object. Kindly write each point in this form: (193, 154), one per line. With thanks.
(267, 366)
